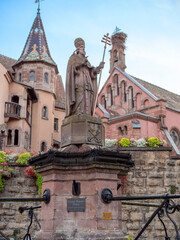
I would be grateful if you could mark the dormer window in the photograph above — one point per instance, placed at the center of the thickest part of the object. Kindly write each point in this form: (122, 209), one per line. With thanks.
(32, 76)
(46, 80)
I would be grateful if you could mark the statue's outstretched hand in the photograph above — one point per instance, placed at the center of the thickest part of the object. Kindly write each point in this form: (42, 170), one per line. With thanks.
(101, 65)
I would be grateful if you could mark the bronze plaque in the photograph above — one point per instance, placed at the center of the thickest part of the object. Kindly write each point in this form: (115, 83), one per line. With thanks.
(107, 215)
(76, 205)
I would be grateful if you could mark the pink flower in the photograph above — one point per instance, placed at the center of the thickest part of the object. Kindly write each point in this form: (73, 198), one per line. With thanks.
(6, 163)
(2, 163)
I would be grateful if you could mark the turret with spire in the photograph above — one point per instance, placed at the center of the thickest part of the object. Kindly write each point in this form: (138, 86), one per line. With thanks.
(35, 65)
(36, 70)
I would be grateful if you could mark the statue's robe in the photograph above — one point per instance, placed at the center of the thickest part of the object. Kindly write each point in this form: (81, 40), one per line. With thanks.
(81, 86)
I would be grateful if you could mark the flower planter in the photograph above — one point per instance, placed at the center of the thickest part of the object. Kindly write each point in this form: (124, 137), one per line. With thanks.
(6, 174)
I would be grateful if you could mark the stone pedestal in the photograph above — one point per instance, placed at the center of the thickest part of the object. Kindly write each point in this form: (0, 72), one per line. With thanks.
(88, 218)
(82, 129)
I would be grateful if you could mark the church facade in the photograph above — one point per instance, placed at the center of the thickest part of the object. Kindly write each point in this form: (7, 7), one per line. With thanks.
(31, 96)
(131, 107)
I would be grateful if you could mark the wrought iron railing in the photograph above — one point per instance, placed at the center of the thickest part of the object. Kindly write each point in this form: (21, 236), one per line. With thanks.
(167, 207)
(12, 110)
(31, 214)
(45, 198)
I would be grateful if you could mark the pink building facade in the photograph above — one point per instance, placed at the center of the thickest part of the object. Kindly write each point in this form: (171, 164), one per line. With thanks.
(31, 96)
(131, 107)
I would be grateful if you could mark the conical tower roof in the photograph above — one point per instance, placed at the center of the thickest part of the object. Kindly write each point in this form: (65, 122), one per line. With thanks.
(36, 47)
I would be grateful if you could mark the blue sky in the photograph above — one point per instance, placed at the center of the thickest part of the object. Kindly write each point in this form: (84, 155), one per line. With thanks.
(152, 26)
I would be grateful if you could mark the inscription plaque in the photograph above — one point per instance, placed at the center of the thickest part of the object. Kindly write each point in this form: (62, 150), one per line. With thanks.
(76, 205)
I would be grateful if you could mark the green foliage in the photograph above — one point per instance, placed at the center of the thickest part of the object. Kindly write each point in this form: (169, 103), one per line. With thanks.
(39, 182)
(125, 142)
(153, 142)
(129, 237)
(173, 189)
(2, 181)
(23, 158)
(2, 157)
(15, 233)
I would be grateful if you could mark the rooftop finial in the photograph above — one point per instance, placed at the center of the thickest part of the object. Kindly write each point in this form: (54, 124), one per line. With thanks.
(38, 10)
(116, 30)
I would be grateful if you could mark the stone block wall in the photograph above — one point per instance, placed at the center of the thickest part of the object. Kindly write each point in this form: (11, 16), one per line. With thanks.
(154, 174)
(10, 218)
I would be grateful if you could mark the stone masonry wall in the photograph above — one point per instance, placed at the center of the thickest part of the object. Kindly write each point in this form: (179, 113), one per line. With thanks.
(10, 218)
(154, 173)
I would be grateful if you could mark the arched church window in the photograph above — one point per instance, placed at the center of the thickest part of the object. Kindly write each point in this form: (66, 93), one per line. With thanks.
(125, 130)
(103, 101)
(124, 96)
(131, 97)
(116, 83)
(44, 112)
(146, 103)
(138, 101)
(175, 136)
(32, 76)
(121, 131)
(111, 97)
(115, 56)
(20, 79)
(46, 80)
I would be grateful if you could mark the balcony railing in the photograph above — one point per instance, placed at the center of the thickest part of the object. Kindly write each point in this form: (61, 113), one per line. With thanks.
(12, 110)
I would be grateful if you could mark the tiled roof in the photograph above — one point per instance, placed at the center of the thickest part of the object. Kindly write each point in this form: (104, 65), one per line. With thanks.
(137, 83)
(173, 100)
(7, 62)
(36, 47)
(60, 93)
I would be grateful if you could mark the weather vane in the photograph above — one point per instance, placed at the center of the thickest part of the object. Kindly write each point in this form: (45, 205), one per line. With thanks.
(38, 1)
(107, 40)
(116, 30)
